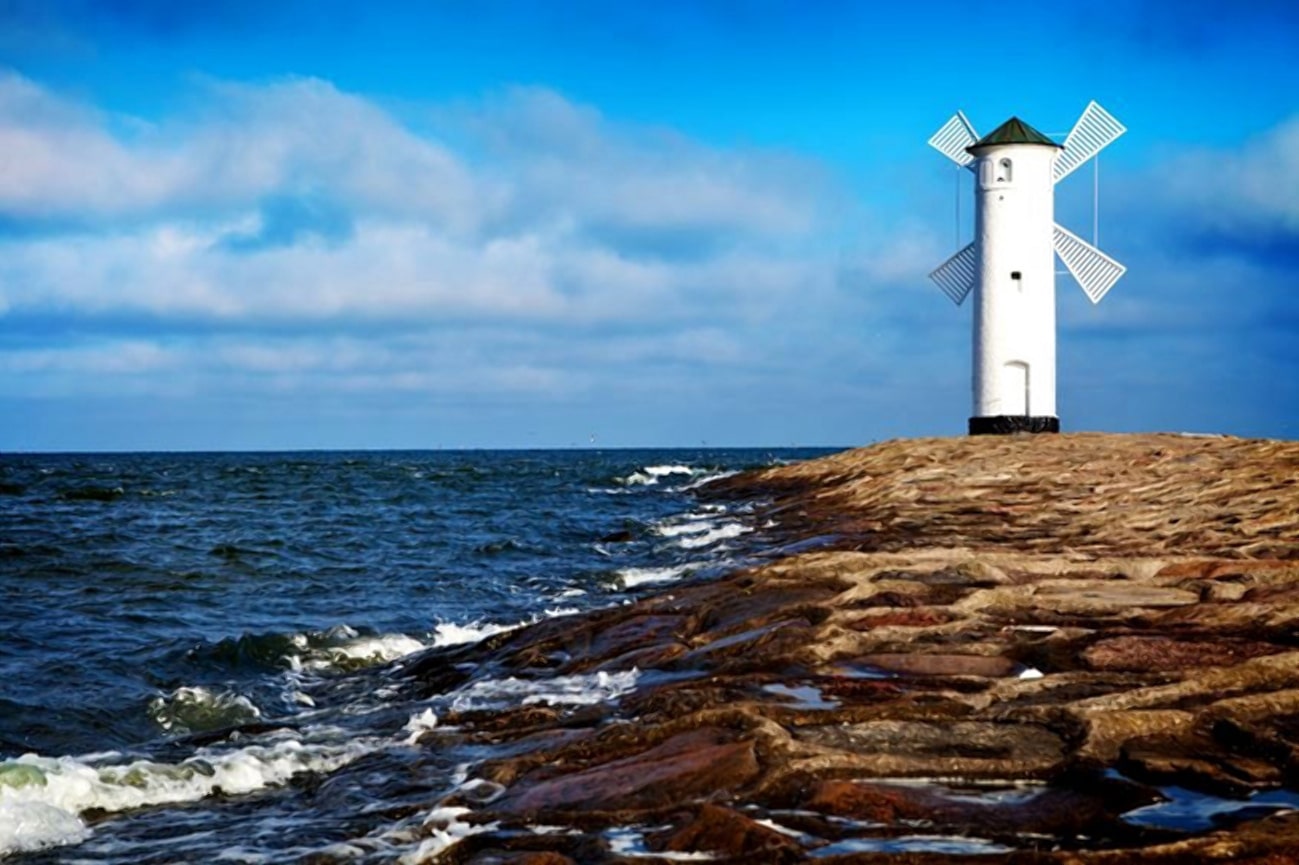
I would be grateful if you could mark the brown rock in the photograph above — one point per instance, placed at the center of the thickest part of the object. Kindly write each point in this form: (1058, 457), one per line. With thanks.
(1150, 653)
(914, 618)
(1093, 807)
(1197, 762)
(941, 665)
(727, 833)
(691, 764)
(1106, 733)
(1151, 578)
(957, 749)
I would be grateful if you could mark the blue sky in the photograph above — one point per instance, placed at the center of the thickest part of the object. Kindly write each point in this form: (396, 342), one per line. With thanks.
(246, 225)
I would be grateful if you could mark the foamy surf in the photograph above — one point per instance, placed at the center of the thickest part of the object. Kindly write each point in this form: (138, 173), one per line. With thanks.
(695, 527)
(344, 649)
(630, 578)
(651, 475)
(723, 532)
(580, 690)
(452, 634)
(289, 535)
(28, 826)
(419, 724)
(629, 842)
(42, 798)
(445, 829)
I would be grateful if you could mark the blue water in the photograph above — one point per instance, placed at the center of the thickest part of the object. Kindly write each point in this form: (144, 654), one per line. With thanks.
(149, 603)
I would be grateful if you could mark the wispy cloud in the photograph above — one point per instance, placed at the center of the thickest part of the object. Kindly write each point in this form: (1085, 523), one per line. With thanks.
(297, 244)
(553, 248)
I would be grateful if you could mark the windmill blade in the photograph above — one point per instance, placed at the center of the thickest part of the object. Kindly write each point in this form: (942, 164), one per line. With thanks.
(956, 275)
(1095, 271)
(952, 139)
(1093, 131)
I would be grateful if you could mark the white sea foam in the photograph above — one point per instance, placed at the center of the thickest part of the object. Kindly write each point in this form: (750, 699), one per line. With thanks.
(580, 690)
(708, 478)
(632, 577)
(419, 724)
(26, 826)
(695, 527)
(343, 648)
(44, 796)
(651, 475)
(721, 533)
(444, 828)
(630, 843)
(451, 634)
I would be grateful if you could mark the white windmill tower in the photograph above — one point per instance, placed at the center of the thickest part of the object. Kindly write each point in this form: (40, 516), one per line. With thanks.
(1010, 264)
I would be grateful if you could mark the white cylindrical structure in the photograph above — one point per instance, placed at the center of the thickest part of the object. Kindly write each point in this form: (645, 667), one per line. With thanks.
(1014, 291)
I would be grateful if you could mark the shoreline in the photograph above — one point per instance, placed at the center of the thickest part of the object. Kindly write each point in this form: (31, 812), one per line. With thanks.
(1074, 648)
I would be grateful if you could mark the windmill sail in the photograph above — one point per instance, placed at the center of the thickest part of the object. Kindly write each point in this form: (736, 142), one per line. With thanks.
(1095, 271)
(1093, 131)
(956, 276)
(952, 139)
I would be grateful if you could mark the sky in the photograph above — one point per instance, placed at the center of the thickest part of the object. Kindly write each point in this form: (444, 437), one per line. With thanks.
(296, 225)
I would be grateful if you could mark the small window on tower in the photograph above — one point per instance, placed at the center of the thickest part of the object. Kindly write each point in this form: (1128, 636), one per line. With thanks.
(1004, 171)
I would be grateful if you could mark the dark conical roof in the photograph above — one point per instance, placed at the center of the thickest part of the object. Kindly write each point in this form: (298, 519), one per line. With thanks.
(1013, 131)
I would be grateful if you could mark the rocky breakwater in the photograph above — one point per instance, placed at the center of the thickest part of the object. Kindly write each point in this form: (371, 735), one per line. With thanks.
(1077, 648)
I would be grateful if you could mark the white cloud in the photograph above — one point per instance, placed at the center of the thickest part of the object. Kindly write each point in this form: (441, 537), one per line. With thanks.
(1255, 186)
(293, 239)
(296, 201)
(63, 160)
(569, 161)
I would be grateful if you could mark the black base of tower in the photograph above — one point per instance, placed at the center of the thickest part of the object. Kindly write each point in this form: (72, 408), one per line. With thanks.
(1006, 424)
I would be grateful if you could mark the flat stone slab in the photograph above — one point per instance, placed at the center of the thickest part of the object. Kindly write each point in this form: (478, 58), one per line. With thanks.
(1051, 649)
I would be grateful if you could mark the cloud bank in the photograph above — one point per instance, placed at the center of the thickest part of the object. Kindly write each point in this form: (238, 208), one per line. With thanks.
(290, 257)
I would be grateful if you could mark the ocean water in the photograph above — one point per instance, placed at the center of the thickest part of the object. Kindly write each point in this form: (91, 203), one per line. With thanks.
(152, 603)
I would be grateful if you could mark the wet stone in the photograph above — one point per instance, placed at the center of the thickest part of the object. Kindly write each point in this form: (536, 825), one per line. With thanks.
(714, 829)
(957, 748)
(942, 665)
(1144, 653)
(696, 763)
(1045, 650)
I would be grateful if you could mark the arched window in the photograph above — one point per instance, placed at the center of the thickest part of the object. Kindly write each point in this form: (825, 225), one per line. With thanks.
(1004, 171)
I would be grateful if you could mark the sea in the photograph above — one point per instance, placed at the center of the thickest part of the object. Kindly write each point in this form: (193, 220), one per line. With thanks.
(198, 651)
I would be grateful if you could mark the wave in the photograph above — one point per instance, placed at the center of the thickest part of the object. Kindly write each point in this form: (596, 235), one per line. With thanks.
(338, 649)
(452, 634)
(92, 494)
(651, 475)
(199, 709)
(713, 536)
(690, 528)
(632, 577)
(42, 798)
(708, 478)
(343, 649)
